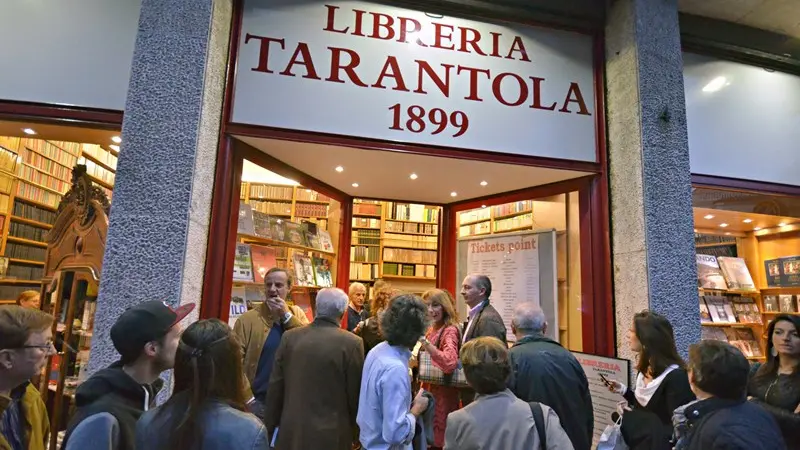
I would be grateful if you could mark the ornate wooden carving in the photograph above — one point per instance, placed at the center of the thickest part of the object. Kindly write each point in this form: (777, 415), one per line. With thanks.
(78, 237)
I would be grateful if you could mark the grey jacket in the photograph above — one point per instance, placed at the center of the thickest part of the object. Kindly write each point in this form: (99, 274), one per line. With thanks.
(502, 422)
(222, 427)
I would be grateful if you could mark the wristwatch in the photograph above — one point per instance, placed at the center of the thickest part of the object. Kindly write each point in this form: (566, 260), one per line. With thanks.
(424, 341)
(287, 317)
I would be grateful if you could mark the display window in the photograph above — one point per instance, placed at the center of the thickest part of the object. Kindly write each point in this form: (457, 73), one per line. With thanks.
(748, 264)
(41, 265)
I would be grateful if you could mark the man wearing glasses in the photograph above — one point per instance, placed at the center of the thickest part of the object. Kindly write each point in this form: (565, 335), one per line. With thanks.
(26, 340)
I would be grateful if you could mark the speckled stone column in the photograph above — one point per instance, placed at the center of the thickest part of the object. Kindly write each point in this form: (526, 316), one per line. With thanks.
(160, 211)
(650, 181)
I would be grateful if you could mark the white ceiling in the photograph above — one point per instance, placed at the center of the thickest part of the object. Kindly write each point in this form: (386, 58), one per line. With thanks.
(386, 174)
(778, 16)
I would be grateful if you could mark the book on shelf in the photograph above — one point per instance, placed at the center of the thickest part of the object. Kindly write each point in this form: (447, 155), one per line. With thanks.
(325, 242)
(409, 270)
(303, 270)
(709, 274)
(364, 222)
(787, 304)
(705, 315)
(771, 303)
(746, 310)
(263, 259)
(410, 241)
(363, 271)
(736, 274)
(744, 340)
(366, 237)
(243, 264)
(783, 272)
(409, 256)
(245, 223)
(271, 192)
(513, 223)
(475, 215)
(368, 209)
(507, 209)
(364, 254)
(410, 227)
(412, 212)
(720, 309)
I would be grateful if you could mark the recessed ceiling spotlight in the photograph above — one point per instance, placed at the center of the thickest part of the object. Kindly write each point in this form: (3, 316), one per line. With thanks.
(782, 224)
(747, 220)
(483, 206)
(28, 131)
(117, 139)
(695, 230)
(413, 176)
(483, 183)
(339, 169)
(114, 147)
(355, 185)
(728, 233)
(708, 216)
(757, 228)
(453, 194)
(723, 225)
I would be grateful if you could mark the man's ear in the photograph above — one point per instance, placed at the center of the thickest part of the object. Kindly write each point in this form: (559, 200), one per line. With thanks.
(6, 359)
(151, 349)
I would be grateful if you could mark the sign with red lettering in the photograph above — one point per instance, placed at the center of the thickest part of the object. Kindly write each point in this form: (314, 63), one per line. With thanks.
(604, 402)
(366, 70)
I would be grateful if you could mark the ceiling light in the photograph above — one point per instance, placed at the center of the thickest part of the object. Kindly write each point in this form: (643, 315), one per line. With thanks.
(483, 206)
(747, 220)
(28, 131)
(728, 233)
(708, 216)
(715, 84)
(695, 230)
(413, 176)
(339, 169)
(723, 225)
(453, 194)
(114, 147)
(757, 228)
(117, 139)
(355, 185)
(782, 224)
(483, 183)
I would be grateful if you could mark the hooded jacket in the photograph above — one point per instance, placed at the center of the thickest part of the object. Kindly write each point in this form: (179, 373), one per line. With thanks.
(109, 404)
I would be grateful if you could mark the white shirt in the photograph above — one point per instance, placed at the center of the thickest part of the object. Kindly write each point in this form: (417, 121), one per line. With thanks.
(472, 313)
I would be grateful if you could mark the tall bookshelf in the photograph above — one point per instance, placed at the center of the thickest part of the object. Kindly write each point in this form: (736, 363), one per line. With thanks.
(34, 176)
(396, 242)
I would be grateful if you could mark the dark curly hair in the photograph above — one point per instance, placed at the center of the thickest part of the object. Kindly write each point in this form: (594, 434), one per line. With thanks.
(405, 320)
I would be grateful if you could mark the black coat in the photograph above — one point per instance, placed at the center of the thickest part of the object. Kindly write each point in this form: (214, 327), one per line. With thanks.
(543, 371)
(487, 323)
(779, 395)
(719, 424)
(650, 427)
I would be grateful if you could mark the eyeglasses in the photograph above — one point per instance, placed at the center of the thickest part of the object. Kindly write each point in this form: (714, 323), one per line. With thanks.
(46, 346)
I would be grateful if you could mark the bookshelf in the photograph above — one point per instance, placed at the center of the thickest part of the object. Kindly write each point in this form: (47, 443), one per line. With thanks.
(290, 227)
(34, 176)
(395, 241)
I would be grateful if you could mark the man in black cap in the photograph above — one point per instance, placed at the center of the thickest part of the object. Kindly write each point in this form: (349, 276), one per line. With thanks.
(111, 401)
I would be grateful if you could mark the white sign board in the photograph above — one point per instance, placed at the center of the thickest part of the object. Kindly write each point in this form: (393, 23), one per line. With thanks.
(512, 264)
(604, 402)
(238, 304)
(367, 70)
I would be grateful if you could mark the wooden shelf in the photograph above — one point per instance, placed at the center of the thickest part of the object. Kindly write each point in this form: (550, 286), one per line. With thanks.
(274, 243)
(475, 221)
(406, 277)
(364, 245)
(515, 214)
(510, 230)
(294, 288)
(266, 199)
(100, 182)
(730, 291)
(411, 248)
(91, 158)
(366, 228)
(412, 221)
(735, 324)
(20, 240)
(406, 232)
(365, 262)
(777, 313)
(410, 263)
(719, 244)
(315, 202)
(35, 203)
(19, 219)
(29, 262)
(781, 289)
(377, 216)
(28, 282)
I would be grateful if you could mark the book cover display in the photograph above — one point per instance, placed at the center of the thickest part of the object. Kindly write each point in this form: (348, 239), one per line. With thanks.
(783, 272)
(242, 264)
(263, 258)
(245, 224)
(736, 274)
(709, 274)
(322, 272)
(303, 270)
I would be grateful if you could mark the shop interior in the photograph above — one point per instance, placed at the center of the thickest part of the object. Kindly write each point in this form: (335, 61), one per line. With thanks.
(399, 226)
(748, 264)
(38, 244)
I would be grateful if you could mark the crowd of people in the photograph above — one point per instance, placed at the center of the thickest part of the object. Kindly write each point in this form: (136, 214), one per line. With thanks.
(402, 372)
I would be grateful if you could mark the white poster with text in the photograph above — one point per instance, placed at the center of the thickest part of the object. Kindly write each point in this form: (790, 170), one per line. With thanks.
(369, 70)
(604, 402)
(512, 264)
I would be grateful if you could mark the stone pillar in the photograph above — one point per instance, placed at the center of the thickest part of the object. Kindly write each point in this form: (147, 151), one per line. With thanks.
(160, 210)
(650, 180)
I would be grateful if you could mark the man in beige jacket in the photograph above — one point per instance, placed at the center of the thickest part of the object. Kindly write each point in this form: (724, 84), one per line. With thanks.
(259, 331)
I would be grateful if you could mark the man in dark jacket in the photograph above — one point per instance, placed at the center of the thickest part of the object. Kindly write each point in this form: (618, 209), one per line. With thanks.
(111, 401)
(543, 371)
(721, 418)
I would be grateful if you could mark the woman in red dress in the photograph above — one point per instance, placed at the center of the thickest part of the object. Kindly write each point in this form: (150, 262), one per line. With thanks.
(442, 342)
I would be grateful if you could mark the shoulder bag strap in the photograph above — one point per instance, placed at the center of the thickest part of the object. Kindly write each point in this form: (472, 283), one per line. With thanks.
(538, 419)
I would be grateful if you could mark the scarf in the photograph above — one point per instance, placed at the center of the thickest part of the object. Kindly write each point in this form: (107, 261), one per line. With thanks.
(645, 393)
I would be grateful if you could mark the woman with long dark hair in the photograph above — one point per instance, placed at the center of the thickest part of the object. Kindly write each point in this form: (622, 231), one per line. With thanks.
(206, 410)
(662, 384)
(775, 385)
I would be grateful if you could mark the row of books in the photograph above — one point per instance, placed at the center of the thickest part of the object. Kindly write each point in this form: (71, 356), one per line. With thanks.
(97, 171)
(729, 309)
(310, 210)
(370, 209)
(25, 231)
(410, 241)
(370, 237)
(412, 212)
(723, 273)
(25, 251)
(409, 256)
(266, 191)
(782, 303)
(37, 176)
(474, 215)
(267, 207)
(365, 254)
(363, 271)
(32, 212)
(416, 228)
(306, 234)
(409, 270)
(475, 229)
(252, 262)
(364, 222)
(742, 338)
(99, 153)
(513, 208)
(37, 194)
(23, 271)
(311, 196)
(525, 220)
(59, 171)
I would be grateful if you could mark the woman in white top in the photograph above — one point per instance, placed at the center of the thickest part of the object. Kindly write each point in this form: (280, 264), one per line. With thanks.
(662, 384)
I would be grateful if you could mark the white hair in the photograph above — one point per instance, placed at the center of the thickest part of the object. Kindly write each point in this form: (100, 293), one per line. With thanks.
(529, 318)
(331, 303)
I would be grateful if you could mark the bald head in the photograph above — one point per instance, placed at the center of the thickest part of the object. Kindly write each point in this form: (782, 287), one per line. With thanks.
(528, 319)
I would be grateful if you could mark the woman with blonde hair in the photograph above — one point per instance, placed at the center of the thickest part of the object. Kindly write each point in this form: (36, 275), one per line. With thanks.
(369, 330)
(29, 299)
(442, 343)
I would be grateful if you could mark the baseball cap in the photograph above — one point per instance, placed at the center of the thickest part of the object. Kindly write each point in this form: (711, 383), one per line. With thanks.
(143, 323)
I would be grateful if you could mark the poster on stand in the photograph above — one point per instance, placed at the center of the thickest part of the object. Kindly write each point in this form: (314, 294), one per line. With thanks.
(604, 402)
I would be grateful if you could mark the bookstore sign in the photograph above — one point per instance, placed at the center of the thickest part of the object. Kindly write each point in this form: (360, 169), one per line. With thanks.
(366, 70)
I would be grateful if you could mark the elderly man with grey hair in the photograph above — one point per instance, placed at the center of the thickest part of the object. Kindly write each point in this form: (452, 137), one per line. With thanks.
(313, 394)
(543, 371)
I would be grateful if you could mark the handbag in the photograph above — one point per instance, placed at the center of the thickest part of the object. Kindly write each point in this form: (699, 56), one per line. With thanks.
(430, 373)
(611, 439)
